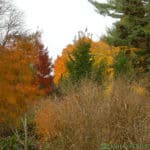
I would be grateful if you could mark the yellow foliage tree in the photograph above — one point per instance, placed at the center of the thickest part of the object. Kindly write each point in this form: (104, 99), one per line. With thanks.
(100, 51)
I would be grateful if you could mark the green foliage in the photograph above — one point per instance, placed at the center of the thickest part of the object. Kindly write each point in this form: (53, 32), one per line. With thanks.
(122, 64)
(98, 72)
(133, 27)
(142, 61)
(80, 63)
(12, 142)
(9, 142)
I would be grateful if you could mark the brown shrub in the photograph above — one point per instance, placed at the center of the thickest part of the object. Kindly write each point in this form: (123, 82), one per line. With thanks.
(87, 118)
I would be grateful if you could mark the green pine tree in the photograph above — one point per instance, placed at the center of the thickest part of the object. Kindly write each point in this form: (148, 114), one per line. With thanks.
(80, 63)
(133, 28)
(123, 65)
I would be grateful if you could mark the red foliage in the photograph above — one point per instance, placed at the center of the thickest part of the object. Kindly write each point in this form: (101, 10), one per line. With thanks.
(44, 70)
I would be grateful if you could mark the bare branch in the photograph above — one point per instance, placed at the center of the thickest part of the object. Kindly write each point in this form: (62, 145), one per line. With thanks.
(11, 21)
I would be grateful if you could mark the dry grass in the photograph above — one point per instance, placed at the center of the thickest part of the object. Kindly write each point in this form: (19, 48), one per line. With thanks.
(86, 118)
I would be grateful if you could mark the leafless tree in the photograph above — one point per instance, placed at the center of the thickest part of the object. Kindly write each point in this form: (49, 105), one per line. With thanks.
(11, 21)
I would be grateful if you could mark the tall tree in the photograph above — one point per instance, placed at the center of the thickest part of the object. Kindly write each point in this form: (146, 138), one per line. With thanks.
(133, 28)
(17, 78)
(60, 70)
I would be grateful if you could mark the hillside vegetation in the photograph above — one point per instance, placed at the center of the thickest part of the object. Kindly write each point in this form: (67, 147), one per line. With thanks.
(94, 94)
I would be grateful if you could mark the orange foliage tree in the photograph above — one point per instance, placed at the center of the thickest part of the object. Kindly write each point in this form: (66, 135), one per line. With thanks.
(60, 70)
(18, 87)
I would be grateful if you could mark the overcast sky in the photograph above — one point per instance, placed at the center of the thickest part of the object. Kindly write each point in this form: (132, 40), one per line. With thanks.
(60, 21)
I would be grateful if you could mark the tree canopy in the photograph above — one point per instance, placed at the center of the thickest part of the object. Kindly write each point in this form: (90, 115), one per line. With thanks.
(133, 28)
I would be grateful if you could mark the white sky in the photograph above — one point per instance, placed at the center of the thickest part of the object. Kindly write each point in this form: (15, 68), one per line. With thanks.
(60, 21)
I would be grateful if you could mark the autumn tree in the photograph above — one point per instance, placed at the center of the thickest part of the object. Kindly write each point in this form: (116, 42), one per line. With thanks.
(105, 60)
(102, 61)
(60, 69)
(100, 53)
(44, 70)
(18, 89)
